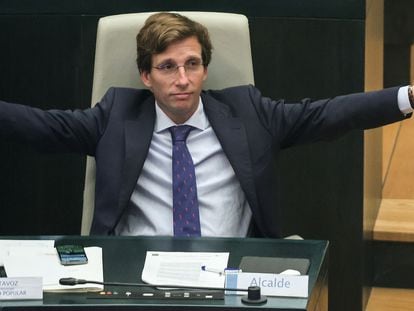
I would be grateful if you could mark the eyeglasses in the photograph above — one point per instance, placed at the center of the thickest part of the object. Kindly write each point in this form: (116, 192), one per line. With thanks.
(170, 69)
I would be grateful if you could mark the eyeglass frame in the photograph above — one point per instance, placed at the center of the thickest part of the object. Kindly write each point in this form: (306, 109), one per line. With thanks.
(174, 69)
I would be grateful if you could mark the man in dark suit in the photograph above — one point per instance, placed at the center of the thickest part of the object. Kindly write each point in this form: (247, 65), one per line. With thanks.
(234, 134)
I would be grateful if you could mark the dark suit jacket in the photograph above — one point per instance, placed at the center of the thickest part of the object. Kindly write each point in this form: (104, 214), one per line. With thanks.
(250, 128)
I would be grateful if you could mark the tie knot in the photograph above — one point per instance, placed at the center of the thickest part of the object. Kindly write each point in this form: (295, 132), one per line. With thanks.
(180, 132)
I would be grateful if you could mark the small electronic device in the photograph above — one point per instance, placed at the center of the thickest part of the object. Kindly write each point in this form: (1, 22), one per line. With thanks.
(71, 255)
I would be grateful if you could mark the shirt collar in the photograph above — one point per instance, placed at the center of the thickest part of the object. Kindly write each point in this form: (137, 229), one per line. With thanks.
(198, 119)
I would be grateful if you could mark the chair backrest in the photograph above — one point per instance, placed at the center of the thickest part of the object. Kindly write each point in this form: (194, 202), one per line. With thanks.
(115, 65)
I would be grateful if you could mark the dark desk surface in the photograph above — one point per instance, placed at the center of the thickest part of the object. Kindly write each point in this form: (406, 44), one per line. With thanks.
(123, 260)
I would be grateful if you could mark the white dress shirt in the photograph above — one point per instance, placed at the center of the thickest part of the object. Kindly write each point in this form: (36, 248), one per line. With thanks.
(404, 101)
(224, 210)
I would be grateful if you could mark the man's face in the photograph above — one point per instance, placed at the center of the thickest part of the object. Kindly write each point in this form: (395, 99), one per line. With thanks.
(177, 92)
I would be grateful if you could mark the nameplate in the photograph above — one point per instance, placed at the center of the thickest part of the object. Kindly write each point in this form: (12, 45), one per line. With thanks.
(270, 284)
(21, 288)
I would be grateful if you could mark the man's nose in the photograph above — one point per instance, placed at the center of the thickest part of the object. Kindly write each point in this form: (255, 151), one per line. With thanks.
(182, 76)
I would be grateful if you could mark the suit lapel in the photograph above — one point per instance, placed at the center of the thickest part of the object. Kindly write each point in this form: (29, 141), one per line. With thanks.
(231, 133)
(138, 135)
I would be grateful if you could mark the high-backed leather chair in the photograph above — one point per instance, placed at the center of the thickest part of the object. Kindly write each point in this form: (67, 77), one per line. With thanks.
(115, 65)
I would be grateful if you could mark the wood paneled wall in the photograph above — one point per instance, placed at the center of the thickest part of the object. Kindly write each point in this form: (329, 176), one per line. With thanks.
(300, 49)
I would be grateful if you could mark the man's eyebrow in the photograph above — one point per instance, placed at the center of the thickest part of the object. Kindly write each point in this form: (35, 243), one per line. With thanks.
(193, 57)
(170, 60)
(167, 60)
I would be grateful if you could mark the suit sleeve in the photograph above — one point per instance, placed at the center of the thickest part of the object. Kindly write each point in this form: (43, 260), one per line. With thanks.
(307, 120)
(56, 130)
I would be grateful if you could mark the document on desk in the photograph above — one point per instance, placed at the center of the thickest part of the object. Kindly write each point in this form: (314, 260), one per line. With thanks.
(185, 269)
(42, 261)
(6, 244)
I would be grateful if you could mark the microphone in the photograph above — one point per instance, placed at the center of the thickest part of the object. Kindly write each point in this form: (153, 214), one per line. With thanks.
(253, 292)
(71, 281)
(74, 281)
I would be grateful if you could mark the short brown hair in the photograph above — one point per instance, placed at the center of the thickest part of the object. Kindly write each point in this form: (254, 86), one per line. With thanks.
(162, 29)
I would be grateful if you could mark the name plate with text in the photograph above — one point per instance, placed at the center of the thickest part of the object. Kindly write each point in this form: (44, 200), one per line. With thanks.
(21, 288)
(270, 284)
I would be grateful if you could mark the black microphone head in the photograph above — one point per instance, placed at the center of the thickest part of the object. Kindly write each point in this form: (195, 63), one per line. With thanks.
(68, 281)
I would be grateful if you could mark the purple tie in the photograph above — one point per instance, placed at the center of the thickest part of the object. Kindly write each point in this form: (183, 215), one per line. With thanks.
(185, 204)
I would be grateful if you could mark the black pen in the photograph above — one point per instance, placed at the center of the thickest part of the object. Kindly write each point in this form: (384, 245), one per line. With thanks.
(214, 270)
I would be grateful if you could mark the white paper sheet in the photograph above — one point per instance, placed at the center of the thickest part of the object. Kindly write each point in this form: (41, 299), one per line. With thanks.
(6, 244)
(184, 269)
(43, 261)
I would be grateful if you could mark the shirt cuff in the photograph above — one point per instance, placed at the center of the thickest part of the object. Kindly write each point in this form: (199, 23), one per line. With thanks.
(404, 101)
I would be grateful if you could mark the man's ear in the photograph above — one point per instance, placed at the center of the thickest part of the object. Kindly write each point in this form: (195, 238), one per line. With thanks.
(205, 73)
(146, 79)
